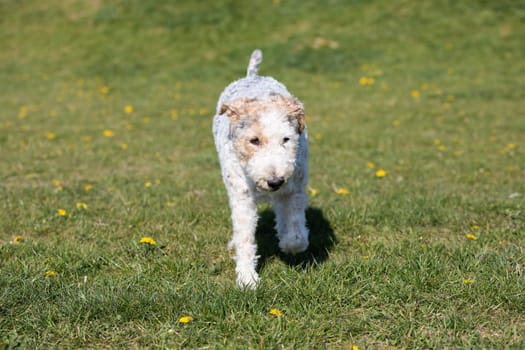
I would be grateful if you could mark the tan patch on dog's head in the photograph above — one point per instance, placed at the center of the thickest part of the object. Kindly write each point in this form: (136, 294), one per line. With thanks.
(252, 108)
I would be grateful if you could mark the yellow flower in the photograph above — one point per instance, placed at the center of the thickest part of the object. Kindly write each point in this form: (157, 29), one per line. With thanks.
(366, 81)
(50, 273)
(147, 184)
(313, 191)
(104, 89)
(471, 236)
(415, 93)
(365, 257)
(17, 239)
(370, 165)
(51, 135)
(185, 319)
(88, 187)
(511, 146)
(108, 133)
(468, 281)
(442, 148)
(62, 212)
(148, 240)
(355, 347)
(474, 227)
(81, 205)
(343, 191)
(380, 173)
(396, 122)
(128, 109)
(170, 204)
(124, 146)
(276, 312)
(23, 112)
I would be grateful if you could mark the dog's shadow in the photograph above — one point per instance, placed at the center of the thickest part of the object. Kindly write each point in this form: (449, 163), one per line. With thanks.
(322, 239)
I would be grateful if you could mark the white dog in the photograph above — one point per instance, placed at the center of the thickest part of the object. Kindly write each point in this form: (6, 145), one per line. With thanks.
(260, 135)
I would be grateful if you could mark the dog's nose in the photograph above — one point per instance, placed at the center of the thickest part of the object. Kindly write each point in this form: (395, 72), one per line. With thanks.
(275, 182)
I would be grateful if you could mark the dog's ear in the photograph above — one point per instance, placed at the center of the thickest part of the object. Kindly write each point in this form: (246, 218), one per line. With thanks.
(234, 109)
(295, 111)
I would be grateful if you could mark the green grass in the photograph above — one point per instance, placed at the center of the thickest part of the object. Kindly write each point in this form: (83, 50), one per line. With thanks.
(390, 266)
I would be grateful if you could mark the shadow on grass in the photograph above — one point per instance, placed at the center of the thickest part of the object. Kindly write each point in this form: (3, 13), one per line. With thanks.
(322, 239)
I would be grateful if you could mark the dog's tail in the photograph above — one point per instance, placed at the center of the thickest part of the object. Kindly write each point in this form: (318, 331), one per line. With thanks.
(255, 61)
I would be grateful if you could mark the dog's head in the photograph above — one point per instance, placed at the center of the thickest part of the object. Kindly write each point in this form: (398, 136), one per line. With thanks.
(265, 135)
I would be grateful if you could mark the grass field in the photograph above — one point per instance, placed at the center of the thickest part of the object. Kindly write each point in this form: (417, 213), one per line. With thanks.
(415, 111)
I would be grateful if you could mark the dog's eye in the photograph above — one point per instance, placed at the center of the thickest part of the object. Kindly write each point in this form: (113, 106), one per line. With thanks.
(255, 141)
(286, 139)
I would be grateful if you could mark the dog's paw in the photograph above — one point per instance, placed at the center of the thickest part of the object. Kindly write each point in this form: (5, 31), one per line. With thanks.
(247, 279)
(294, 244)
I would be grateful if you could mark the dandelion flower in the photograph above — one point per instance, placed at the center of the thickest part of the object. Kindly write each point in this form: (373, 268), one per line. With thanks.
(23, 112)
(511, 146)
(108, 133)
(148, 240)
(50, 273)
(81, 205)
(474, 227)
(366, 81)
(471, 236)
(370, 165)
(276, 312)
(88, 187)
(104, 90)
(124, 146)
(51, 135)
(415, 94)
(343, 191)
(17, 239)
(62, 212)
(185, 319)
(468, 281)
(128, 109)
(313, 191)
(355, 347)
(147, 184)
(380, 173)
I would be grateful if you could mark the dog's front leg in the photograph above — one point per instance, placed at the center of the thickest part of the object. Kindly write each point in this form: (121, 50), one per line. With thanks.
(244, 220)
(291, 222)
